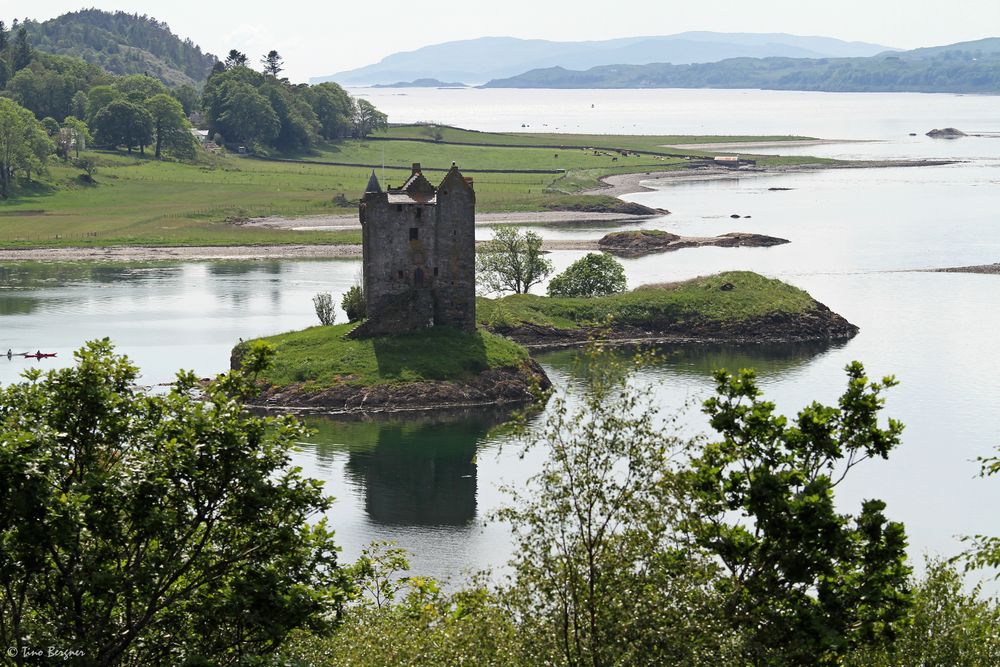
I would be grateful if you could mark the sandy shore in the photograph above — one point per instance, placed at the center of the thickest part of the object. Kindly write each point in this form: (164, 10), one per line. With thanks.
(200, 253)
(623, 184)
(320, 223)
(730, 145)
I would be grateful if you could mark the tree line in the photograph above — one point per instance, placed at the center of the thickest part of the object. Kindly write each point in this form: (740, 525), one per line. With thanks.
(172, 528)
(76, 104)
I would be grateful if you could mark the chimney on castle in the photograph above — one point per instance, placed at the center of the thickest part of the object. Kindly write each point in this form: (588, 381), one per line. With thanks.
(416, 168)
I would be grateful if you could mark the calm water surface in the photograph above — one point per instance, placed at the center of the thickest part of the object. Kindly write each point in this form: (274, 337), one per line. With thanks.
(857, 236)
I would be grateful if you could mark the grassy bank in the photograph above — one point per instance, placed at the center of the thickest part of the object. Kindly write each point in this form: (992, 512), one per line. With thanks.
(136, 200)
(321, 357)
(725, 297)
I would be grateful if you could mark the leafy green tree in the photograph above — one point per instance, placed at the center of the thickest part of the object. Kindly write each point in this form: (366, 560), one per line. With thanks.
(171, 129)
(272, 63)
(245, 115)
(805, 584)
(98, 98)
(334, 109)
(124, 123)
(511, 261)
(368, 119)
(24, 144)
(78, 105)
(51, 126)
(601, 575)
(325, 310)
(188, 96)
(137, 88)
(947, 626)
(595, 274)
(155, 529)
(88, 164)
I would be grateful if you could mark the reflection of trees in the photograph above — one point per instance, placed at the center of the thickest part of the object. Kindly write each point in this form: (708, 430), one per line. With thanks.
(29, 275)
(17, 305)
(413, 473)
(243, 268)
(701, 360)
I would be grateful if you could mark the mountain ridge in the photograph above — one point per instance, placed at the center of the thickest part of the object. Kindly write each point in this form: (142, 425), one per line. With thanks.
(486, 58)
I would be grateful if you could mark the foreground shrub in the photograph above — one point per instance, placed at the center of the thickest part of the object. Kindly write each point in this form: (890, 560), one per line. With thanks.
(155, 529)
(353, 303)
(323, 303)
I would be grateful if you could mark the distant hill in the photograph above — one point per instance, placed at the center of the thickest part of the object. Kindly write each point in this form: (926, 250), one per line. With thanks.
(967, 67)
(486, 58)
(420, 83)
(123, 43)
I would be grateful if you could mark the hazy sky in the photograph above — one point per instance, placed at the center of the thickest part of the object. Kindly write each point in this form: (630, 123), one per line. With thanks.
(324, 38)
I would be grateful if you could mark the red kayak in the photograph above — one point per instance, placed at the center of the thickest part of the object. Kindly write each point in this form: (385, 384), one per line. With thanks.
(40, 355)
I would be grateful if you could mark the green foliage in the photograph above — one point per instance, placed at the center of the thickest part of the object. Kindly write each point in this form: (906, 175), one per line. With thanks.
(985, 549)
(124, 123)
(171, 129)
(368, 119)
(156, 529)
(323, 304)
(322, 357)
(805, 584)
(511, 261)
(602, 576)
(354, 304)
(24, 144)
(88, 164)
(947, 626)
(661, 307)
(123, 44)
(595, 274)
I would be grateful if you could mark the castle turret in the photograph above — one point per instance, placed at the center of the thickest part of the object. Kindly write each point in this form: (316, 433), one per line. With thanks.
(419, 246)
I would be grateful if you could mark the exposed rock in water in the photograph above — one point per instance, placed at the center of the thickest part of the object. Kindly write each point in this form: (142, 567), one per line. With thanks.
(818, 323)
(946, 133)
(498, 387)
(617, 206)
(645, 241)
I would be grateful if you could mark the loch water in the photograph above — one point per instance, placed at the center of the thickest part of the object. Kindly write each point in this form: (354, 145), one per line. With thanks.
(860, 241)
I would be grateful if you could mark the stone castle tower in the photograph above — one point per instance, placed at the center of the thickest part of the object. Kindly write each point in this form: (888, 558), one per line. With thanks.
(419, 245)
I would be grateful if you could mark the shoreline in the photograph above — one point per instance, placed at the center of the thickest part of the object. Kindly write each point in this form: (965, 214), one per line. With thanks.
(615, 185)
(618, 185)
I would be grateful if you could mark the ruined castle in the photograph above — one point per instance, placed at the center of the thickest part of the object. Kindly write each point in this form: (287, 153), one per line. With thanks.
(419, 245)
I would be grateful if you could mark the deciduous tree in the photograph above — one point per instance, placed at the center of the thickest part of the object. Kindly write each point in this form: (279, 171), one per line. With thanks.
(123, 123)
(805, 583)
(171, 129)
(595, 274)
(511, 261)
(154, 529)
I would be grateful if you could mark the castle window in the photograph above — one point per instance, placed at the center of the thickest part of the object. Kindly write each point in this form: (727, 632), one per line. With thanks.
(435, 271)
(400, 274)
(399, 208)
(418, 277)
(414, 233)
(419, 212)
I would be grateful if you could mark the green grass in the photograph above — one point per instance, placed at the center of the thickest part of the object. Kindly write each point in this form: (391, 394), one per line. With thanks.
(140, 201)
(699, 299)
(321, 357)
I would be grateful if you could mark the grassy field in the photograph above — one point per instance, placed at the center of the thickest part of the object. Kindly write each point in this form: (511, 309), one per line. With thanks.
(321, 356)
(700, 298)
(139, 201)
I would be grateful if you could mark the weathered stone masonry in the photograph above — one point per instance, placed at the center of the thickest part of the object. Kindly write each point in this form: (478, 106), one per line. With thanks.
(419, 245)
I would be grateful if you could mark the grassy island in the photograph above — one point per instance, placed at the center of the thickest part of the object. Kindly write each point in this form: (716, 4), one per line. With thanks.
(440, 367)
(735, 306)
